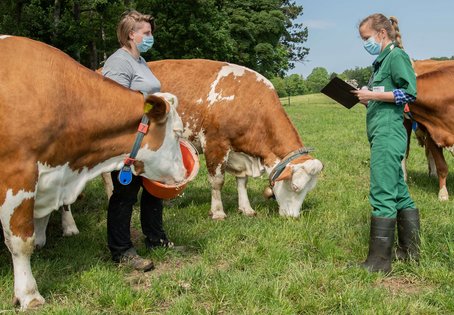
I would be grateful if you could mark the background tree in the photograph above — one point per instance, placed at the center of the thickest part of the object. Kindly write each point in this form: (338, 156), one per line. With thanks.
(317, 79)
(442, 58)
(296, 85)
(280, 86)
(290, 86)
(361, 75)
(259, 34)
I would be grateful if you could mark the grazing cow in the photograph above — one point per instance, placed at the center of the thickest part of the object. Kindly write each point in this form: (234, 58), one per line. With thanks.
(434, 112)
(233, 115)
(61, 125)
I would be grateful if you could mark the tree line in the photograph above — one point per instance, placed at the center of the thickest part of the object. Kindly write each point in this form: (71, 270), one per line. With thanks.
(295, 84)
(259, 34)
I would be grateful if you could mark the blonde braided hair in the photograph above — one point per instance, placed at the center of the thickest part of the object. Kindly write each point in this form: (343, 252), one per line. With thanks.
(397, 37)
(378, 21)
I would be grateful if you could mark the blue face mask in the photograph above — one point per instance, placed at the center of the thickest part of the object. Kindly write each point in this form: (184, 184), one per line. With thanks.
(145, 44)
(372, 46)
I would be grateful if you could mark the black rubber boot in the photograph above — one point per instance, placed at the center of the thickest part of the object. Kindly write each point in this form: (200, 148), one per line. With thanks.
(380, 245)
(408, 234)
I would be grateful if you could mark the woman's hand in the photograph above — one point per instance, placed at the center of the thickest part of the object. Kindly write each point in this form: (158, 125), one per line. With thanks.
(364, 95)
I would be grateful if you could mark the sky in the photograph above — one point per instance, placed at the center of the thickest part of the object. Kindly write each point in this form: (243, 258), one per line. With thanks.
(427, 29)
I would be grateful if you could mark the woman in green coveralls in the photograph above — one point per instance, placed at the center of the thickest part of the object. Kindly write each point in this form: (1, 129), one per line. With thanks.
(392, 85)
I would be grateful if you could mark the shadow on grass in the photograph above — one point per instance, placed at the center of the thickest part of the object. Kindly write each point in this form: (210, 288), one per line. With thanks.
(423, 181)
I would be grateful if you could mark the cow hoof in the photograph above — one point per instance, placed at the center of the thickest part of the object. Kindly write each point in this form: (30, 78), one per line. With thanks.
(248, 213)
(218, 216)
(70, 231)
(35, 303)
(30, 302)
(443, 194)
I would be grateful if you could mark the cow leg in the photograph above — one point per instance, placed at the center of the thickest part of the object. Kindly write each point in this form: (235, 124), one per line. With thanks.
(40, 231)
(108, 185)
(408, 128)
(216, 156)
(441, 166)
(67, 221)
(431, 163)
(243, 200)
(217, 209)
(403, 164)
(18, 229)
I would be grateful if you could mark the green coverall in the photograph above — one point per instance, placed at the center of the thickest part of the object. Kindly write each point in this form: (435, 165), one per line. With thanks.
(387, 135)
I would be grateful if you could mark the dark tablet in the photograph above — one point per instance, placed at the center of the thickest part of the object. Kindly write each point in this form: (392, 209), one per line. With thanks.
(340, 91)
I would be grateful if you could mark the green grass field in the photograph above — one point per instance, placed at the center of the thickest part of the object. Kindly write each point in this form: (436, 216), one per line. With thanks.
(261, 265)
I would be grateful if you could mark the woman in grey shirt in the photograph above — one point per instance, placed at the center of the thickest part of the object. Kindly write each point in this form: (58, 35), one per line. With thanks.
(127, 67)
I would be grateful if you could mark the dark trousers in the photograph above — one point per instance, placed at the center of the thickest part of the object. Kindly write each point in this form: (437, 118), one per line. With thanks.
(119, 215)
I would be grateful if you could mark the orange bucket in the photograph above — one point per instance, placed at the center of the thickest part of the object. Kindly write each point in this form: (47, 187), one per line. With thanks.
(191, 163)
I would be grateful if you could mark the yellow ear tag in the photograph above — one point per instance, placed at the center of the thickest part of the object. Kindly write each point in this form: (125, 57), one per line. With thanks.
(147, 108)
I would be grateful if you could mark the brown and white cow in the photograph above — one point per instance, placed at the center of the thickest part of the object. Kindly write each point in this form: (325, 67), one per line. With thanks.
(233, 115)
(61, 125)
(434, 111)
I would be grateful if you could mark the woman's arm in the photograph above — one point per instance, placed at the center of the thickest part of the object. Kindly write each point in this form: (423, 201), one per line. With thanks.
(365, 96)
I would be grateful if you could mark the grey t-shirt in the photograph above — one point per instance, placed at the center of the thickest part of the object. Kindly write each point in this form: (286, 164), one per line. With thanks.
(132, 73)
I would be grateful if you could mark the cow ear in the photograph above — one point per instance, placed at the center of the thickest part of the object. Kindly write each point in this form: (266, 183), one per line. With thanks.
(156, 108)
(172, 99)
(286, 174)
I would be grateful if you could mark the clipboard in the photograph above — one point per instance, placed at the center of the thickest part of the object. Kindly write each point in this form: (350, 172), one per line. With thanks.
(340, 91)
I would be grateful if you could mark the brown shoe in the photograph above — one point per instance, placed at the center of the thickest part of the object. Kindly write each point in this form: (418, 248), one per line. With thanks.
(132, 259)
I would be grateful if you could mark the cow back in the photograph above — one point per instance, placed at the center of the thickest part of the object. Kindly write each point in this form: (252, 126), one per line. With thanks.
(231, 103)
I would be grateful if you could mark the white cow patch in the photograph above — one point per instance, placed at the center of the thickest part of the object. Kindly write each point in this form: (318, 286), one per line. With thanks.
(60, 185)
(241, 165)
(4, 36)
(224, 72)
(202, 140)
(12, 202)
(169, 168)
(237, 71)
(187, 131)
(264, 80)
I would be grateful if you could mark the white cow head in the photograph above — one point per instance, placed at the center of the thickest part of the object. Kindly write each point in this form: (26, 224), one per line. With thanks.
(293, 184)
(165, 164)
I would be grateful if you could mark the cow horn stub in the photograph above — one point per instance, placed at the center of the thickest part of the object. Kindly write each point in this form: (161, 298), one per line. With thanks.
(268, 193)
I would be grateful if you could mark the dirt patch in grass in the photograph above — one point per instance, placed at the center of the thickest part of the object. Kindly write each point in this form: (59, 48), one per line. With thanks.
(402, 285)
(140, 281)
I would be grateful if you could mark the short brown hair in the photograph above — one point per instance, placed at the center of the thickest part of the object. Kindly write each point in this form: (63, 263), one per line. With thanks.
(128, 23)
